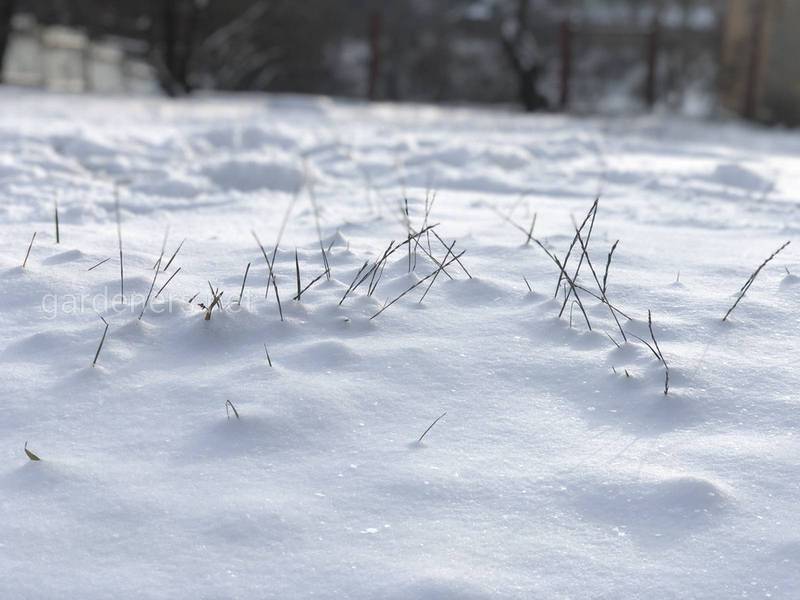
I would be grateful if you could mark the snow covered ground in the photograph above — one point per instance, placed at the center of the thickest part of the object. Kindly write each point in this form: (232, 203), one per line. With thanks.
(553, 474)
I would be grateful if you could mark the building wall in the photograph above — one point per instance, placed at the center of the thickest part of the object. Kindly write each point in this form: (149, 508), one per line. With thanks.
(760, 60)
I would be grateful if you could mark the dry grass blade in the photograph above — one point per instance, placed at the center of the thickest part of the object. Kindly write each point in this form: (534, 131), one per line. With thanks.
(228, 403)
(313, 199)
(415, 235)
(297, 271)
(589, 215)
(313, 281)
(102, 262)
(163, 246)
(171, 277)
(102, 341)
(660, 354)
(377, 271)
(508, 220)
(417, 284)
(752, 279)
(530, 289)
(28, 253)
(271, 275)
(600, 286)
(269, 360)
(244, 281)
(353, 283)
(460, 264)
(174, 254)
(286, 215)
(592, 214)
(596, 296)
(572, 286)
(152, 285)
(58, 232)
(608, 264)
(408, 232)
(430, 285)
(612, 339)
(424, 433)
(119, 240)
(428, 208)
(214, 302)
(30, 454)
(530, 231)
(646, 343)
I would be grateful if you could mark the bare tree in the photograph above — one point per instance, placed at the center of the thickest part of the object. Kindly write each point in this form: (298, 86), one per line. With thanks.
(173, 41)
(6, 16)
(524, 55)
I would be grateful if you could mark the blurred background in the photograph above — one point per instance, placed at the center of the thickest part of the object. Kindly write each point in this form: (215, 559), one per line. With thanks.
(693, 57)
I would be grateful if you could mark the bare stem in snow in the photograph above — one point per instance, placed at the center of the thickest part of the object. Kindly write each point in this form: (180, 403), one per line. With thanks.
(228, 403)
(660, 354)
(216, 297)
(420, 282)
(152, 285)
(608, 264)
(163, 246)
(28, 253)
(119, 239)
(752, 278)
(29, 454)
(269, 360)
(430, 285)
(530, 231)
(600, 286)
(158, 293)
(593, 214)
(313, 199)
(352, 283)
(58, 232)
(313, 281)
(174, 254)
(271, 275)
(460, 264)
(424, 433)
(572, 286)
(102, 262)
(102, 340)
(428, 208)
(297, 270)
(244, 281)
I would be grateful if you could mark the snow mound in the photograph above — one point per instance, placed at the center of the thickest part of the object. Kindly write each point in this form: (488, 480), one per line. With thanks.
(248, 175)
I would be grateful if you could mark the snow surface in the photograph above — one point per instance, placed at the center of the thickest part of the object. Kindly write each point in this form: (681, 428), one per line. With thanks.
(553, 475)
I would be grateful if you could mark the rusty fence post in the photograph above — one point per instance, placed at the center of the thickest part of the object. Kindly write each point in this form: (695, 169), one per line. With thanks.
(565, 38)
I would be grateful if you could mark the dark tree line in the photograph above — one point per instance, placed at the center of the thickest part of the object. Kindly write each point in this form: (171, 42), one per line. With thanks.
(442, 50)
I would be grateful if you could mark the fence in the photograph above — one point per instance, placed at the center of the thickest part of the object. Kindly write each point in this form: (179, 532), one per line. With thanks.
(65, 59)
(588, 66)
